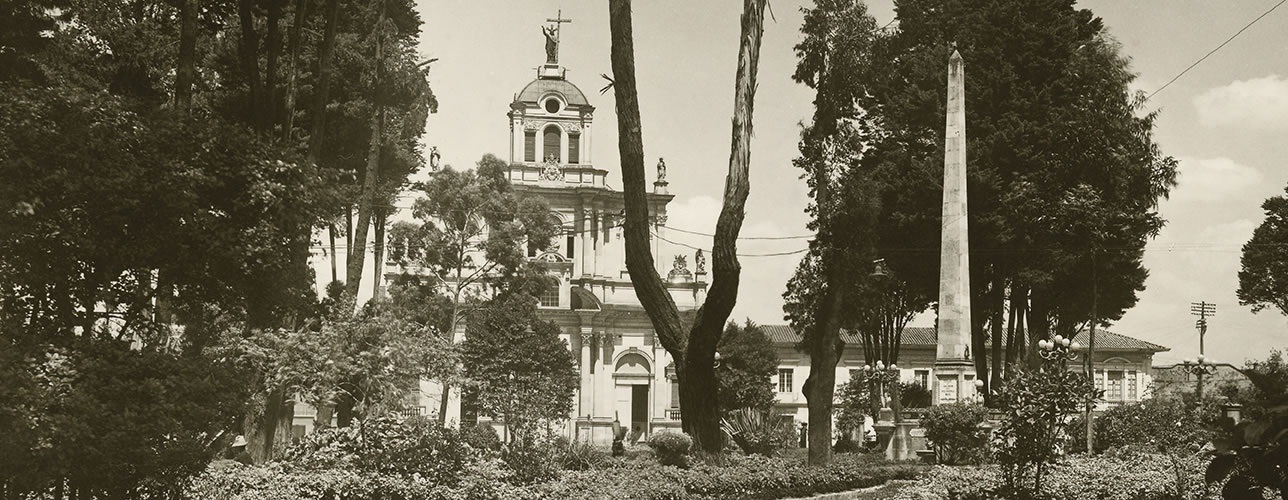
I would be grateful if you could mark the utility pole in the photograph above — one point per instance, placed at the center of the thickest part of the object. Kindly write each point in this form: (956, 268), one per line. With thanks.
(1202, 310)
(1091, 349)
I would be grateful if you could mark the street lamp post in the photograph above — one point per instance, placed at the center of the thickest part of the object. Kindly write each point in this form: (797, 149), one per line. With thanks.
(1058, 350)
(1200, 368)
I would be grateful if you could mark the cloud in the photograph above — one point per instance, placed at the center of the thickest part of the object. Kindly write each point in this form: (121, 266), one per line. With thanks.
(1256, 104)
(1213, 180)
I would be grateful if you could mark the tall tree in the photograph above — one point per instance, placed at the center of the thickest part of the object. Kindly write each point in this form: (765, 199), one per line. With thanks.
(518, 366)
(1263, 280)
(470, 239)
(693, 350)
(748, 363)
(1063, 172)
(832, 61)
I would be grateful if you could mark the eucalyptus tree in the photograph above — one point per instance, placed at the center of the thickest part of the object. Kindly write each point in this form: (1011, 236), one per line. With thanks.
(693, 348)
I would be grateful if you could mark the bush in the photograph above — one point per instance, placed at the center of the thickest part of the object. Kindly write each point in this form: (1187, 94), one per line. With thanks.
(1160, 425)
(1130, 476)
(672, 448)
(954, 433)
(481, 436)
(914, 395)
(414, 446)
(575, 455)
(533, 462)
(757, 432)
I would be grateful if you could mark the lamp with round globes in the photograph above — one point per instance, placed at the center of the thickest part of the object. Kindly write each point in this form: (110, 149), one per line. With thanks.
(1201, 367)
(1058, 349)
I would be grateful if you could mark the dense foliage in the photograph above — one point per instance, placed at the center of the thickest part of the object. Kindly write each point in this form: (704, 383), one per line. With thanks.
(1263, 280)
(751, 477)
(1036, 406)
(1252, 456)
(517, 366)
(953, 432)
(101, 419)
(672, 448)
(759, 432)
(1126, 476)
(748, 363)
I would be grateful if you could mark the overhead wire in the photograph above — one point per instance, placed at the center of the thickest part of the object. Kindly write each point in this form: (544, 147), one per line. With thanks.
(1218, 47)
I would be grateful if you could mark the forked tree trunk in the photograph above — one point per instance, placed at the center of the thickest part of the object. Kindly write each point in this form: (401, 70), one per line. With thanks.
(694, 353)
(820, 387)
(370, 178)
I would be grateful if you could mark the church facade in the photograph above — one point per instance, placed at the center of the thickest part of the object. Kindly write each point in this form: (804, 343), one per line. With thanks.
(626, 375)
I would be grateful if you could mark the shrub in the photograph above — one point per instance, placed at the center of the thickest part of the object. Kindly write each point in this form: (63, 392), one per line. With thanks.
(914, 395)
(1162, 425)
(672, 448)
(757, 432)
(414, 446)
(481, 436)
(1036, 405)
(576, 455)
(533, 462)
(954, 433)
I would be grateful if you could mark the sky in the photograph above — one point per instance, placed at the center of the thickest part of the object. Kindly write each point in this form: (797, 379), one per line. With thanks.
(1225, 121)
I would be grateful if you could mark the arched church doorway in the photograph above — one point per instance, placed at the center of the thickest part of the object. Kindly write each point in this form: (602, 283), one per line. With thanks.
(633, 376)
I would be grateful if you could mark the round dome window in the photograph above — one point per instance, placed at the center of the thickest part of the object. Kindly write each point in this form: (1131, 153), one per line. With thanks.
(552, 105)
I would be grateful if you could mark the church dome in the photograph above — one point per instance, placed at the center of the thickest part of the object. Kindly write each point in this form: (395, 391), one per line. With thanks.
(542, 87)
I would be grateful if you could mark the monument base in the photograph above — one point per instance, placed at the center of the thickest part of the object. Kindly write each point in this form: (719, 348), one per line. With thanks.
(954, 381)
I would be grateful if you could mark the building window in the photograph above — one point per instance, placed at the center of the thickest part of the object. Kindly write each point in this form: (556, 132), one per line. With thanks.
(1115, 390)
(1131, 386)
(530, 145)
(675, 393)
(550, 297)
(784, 380)
(922, 377)
(550, 143)
(572, 243)
(574, 148)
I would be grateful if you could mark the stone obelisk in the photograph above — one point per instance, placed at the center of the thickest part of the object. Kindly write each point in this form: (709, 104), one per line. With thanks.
(952, 357)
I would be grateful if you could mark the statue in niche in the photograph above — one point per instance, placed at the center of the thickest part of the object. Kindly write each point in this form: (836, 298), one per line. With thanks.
(700, 261)
(661, 169)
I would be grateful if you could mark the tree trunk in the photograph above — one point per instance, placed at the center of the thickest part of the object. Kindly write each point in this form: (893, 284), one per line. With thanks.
(444, 396)
(370, 179)
(820, 387)
(185, 72)
(330, 234)
(378, 252)
(997, 306)
(694, 354)
(326, 54)
(273, 52)
(264, 429)
(293, 70)
(249, 48)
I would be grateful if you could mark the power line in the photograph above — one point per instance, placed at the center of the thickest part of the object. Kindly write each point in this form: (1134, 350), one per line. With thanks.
(773, 254)
(799, 237)
(1218, 47)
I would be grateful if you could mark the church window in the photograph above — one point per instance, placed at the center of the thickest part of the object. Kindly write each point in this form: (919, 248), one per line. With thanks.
(574, 148)
(550, 143)
(784, 380)
(675, 393)
(552, 105)
(550, 297)
(529, 145)
(572, 243)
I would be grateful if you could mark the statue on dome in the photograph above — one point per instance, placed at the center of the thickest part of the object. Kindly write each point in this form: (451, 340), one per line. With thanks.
(661, 169)
(552, 43)
(701, 260)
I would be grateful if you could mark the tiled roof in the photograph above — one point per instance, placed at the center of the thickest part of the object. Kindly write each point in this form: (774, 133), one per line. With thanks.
(918, 335)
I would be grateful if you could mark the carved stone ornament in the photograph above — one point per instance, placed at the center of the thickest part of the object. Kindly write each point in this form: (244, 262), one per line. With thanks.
(679, 270)
(529, 124)
(550, 169)
(572, 127)
(660, 219)
(551, 257)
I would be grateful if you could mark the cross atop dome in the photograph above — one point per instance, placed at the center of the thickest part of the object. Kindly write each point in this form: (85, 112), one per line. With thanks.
(552, 37)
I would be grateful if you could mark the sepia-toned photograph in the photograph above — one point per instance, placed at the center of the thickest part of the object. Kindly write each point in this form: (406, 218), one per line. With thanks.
(650, 249)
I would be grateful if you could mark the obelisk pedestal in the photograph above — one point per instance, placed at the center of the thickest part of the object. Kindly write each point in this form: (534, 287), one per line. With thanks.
(952, 355)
